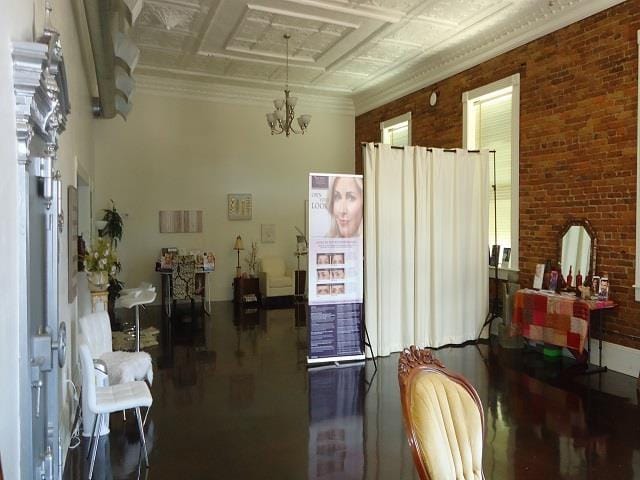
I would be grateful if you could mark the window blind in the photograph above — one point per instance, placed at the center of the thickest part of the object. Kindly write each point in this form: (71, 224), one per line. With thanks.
(397, 134)
(493, 131)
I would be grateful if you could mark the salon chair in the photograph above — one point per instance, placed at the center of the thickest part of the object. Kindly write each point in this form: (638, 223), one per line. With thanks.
(104, 400)
(121, 366)
(443, 418)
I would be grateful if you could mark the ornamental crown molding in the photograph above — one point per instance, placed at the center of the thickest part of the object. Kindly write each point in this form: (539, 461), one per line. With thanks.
(238, 95)
(450, 63)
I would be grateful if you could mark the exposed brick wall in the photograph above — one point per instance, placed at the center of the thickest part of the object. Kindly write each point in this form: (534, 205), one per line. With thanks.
(578, 111)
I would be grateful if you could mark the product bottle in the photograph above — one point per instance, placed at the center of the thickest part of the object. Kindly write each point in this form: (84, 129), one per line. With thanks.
(569, 278)
(578, 282)
(547, 275)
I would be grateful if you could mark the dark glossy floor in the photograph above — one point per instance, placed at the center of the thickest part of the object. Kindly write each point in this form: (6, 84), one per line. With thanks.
(233, 399)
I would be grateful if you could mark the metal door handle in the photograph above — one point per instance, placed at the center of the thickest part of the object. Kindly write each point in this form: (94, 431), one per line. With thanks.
(61, 344)
(37, 384)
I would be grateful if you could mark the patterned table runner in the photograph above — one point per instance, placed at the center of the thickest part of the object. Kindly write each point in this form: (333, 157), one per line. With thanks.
(551, 318)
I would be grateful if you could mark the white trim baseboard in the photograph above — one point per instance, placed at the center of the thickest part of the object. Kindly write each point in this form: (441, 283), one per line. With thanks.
(617, 358)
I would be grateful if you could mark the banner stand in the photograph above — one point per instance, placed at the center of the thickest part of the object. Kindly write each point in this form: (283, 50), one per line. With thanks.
(336, 269)
(367, 343)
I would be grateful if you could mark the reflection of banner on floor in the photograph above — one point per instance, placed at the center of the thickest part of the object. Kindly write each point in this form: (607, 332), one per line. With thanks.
(336, 431)
(335, 268)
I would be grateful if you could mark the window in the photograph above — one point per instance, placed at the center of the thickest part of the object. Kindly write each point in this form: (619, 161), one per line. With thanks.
(491, 120)
(397, 131)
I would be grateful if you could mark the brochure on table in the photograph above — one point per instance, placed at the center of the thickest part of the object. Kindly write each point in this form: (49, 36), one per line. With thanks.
(335, 268)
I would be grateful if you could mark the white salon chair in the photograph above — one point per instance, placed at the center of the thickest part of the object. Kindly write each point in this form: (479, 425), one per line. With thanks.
(102, 401)
(275, 279)
(121, 366)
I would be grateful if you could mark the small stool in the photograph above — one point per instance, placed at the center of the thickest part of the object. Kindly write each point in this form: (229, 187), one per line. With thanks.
(135, 298)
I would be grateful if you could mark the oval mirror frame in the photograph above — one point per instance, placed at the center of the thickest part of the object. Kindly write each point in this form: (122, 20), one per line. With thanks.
(580, 222)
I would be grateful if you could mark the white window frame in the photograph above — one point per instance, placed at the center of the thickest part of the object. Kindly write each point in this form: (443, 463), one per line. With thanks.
(486, 92)
(405, 117)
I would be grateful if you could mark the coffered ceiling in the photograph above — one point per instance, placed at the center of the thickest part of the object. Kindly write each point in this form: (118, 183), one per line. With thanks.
(365, 50)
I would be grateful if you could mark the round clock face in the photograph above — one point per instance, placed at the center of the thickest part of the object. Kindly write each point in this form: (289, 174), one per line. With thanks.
(433, 99)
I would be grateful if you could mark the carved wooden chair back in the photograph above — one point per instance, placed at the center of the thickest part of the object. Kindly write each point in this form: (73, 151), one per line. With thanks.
(443, 418)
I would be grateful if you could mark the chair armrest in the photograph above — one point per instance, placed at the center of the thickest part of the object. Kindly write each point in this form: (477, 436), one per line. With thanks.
(100, 366)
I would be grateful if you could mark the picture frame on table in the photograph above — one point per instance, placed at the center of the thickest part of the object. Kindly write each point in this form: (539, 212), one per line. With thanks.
(539, 276)
(168, 256)
(603, 293)
(553, 280)
(495, 255)
(506, 256)
(198, 255)
(208, 261)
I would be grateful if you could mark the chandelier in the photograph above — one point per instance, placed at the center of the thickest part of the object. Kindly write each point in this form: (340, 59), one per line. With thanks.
(281, 119)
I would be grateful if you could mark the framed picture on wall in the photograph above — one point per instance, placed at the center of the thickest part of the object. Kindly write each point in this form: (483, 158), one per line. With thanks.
(239, 206)
(268, 233)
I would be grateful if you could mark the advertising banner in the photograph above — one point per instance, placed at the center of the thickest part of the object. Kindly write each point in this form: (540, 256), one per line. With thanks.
(335, 267)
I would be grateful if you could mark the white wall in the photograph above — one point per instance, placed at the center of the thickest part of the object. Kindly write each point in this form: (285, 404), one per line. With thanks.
(19, 19)
(75, 153)
(179, 154)
(15, 24)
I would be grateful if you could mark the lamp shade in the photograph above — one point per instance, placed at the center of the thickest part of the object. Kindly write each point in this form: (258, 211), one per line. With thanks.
(238, 245)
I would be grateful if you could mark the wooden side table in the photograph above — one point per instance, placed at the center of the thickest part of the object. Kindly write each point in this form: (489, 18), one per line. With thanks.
(300, 282)
(245, 286)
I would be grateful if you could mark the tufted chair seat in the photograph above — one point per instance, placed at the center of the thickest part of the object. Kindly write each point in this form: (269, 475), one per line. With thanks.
(443, 417)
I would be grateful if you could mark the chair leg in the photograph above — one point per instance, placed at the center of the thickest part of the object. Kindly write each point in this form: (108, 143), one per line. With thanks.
(142, 440)
(94, 451)
(144, 422)
(93, 434)
(124, 415)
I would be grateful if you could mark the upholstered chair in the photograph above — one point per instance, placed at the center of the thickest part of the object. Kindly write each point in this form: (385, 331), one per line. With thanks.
(443, 418)
(121, 366)
(103, 400)
(183, 278)
(275, 279)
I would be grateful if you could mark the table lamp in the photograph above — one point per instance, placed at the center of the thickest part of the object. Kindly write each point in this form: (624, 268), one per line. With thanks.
(238, 246)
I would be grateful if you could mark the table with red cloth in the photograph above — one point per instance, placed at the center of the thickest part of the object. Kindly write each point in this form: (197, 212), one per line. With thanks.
(556, 319)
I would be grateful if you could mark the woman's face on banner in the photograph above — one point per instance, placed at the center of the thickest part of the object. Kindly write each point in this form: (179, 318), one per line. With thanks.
(347, 206)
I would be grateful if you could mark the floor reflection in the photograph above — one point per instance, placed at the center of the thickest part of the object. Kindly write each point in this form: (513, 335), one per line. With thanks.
(233, 398)
(336, 427)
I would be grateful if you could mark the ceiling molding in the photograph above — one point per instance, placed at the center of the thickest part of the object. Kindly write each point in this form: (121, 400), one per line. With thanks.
(365, 11)
(273, 85)
(455, 62)
(237, 95)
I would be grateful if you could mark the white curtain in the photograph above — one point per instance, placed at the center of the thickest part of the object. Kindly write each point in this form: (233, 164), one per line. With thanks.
(426, 247)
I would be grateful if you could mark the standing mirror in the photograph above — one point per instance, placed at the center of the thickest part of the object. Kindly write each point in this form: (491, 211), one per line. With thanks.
(577, 245)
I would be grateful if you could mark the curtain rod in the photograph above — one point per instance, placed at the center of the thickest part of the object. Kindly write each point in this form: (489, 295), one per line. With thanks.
(450, 150)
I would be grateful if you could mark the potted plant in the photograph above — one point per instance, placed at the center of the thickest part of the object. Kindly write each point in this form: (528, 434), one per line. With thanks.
(113, 226)
(112, 229)
(101, 264)
(252, 259)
